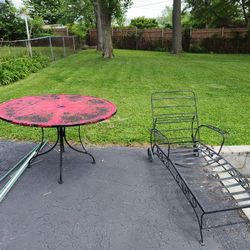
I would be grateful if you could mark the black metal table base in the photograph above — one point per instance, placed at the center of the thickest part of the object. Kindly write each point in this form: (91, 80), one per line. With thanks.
(61, 140)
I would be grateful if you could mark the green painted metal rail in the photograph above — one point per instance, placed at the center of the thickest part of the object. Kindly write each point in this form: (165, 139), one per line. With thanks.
(18, 169)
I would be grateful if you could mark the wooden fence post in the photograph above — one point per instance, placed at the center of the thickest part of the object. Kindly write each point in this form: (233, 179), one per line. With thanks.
(74, 43)
(136, 38)
(162, 37)
(90, 36)
(222, 32)
(64, 47)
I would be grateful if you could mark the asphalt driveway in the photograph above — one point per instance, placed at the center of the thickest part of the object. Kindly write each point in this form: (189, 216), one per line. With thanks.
(123, 202)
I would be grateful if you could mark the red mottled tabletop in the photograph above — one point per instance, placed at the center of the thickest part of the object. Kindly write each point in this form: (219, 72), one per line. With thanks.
(56, 110)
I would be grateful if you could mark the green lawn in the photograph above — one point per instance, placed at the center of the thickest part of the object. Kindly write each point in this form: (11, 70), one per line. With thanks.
(221, 82)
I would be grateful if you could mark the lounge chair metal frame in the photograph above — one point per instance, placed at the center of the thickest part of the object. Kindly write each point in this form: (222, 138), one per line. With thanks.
(194, 159)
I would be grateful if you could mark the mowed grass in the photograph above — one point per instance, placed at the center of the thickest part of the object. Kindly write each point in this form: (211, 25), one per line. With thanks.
(221, 83)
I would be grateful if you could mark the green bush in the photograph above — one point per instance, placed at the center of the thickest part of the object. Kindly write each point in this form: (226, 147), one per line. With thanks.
(196, 48)
(78, 29)
(236, 44)
(15, 68)
(144, 23)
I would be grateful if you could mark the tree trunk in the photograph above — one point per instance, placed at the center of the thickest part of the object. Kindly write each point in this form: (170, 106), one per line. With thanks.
(98, 25)
(106, 32)
(177, 34)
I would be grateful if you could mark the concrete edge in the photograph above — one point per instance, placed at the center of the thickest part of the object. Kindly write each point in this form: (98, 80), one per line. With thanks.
(236, 149)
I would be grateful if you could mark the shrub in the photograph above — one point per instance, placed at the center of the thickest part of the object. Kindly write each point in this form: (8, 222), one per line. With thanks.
(236, 44)
(196, 48)
(78, 29)
(15, 68)
(247, 35)
(144, 23)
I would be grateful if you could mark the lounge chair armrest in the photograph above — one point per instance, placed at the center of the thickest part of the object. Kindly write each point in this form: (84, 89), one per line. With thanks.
(215, 129)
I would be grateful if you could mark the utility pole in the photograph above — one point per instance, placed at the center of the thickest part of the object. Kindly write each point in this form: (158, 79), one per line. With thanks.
(25, 16)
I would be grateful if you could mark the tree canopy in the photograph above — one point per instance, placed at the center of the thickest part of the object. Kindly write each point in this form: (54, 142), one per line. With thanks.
(115, 8)
(244, 6)
(165, 20)
(12, 27)
(218, 13)
(49, 10)
(77, 11)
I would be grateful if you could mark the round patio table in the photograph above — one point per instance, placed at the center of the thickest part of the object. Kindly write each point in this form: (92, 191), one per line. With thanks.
(57, 111)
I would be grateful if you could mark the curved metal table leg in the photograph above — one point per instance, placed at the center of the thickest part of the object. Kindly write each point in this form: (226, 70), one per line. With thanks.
(77, 150)
(39, 154)
(61, 138)
(61, 133)
(57, 140)
(200, 222)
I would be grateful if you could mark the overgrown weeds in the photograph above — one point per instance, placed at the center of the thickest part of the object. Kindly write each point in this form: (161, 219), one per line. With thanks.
(13, 69)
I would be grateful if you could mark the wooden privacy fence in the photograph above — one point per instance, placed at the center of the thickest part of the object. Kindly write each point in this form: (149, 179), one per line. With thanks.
(223, 40)
(217, 40)
(200, 34)
(136, 38)
(60, 31)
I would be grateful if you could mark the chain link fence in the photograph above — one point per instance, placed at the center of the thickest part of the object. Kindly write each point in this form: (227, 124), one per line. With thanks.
(54, 47)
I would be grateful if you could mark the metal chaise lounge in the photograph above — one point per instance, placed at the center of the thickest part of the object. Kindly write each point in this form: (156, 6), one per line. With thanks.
(209, 182)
